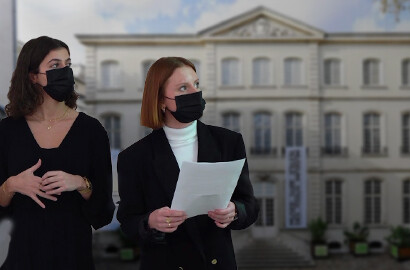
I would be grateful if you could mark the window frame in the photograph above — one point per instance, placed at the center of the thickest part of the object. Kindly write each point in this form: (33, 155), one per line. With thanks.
(289, 77)
(336, 216)
(232, 117)
(297, 126)
(231, 75)
(261, 147)
(332, 64)
(267, 78)
(110, 74)
(370, 218)
(369, 76)
(375, 133)
(114, 134)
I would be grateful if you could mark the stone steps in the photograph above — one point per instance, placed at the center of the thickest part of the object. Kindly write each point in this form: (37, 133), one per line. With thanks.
(263, 254)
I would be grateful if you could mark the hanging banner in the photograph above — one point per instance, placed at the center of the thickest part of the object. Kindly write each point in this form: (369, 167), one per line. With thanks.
(295, 179)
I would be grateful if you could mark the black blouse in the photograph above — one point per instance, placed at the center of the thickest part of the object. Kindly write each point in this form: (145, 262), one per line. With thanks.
(59, 236)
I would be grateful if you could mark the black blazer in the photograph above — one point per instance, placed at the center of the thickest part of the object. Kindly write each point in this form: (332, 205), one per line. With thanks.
(148, 173)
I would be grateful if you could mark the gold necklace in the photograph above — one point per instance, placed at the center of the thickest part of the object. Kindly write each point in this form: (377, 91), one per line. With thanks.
(52, 122)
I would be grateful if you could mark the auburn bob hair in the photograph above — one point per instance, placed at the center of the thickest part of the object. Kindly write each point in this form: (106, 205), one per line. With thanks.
(157, 76)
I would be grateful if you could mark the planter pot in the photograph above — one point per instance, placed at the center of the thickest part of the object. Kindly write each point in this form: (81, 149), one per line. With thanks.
(319, 250)
(359, 248)
(400, 253)
(127, 254)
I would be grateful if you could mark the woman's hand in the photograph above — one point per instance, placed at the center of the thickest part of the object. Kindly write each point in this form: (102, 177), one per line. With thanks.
(223, 217)
(55, 182)
(166, 220)
(30, 185)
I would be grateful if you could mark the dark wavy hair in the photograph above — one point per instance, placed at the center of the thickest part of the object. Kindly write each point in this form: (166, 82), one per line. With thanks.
(24, 95)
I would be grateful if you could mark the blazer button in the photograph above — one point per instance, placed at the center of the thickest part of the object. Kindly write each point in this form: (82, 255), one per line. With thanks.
(214, 261)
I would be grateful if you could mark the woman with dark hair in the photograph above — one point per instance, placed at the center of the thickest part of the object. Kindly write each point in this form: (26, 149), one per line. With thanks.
(148, 172)
(55, 164)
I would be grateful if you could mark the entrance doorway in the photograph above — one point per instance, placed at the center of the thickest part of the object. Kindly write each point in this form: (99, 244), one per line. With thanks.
(265, 225)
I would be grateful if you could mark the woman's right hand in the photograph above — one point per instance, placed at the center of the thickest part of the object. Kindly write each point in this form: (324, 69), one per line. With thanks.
(28, 184)
(166, 220)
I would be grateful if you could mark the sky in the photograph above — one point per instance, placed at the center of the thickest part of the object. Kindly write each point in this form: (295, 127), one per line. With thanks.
(65, 19)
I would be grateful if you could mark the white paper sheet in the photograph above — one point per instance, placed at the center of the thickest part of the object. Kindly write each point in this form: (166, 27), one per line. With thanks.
(204, 187)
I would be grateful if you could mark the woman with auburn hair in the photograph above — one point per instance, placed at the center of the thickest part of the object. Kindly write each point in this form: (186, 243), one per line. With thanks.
(148, 172)
(55, 164)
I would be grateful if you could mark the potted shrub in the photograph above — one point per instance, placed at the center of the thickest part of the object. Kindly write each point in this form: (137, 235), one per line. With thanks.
(318, 245)
(399, 240)
(357, 239)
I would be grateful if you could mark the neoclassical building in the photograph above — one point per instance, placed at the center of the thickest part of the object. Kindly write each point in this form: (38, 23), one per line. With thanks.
(344, 97)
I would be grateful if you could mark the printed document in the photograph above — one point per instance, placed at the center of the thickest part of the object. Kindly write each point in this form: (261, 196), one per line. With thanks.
(204, 187)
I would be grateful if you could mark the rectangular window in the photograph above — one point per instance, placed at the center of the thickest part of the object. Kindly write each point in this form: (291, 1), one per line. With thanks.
(332, 134)
(333, 199)
(406, 133)
(259, 221)
(332, 72)
(110, 74)
(372, 201)
(293, 71)
(405, 69)
(113, 128)
(294, 129)
(261, 72)
(231, 121)
(406, 202)
(371, 134)
(264, 193)
(371, 72)
(262, 133)
(230, 72)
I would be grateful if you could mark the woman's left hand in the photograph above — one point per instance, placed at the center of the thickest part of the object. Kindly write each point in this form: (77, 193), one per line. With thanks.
(223, 217)
(55, 182)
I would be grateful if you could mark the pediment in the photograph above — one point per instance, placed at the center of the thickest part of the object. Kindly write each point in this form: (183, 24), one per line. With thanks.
(262, 23)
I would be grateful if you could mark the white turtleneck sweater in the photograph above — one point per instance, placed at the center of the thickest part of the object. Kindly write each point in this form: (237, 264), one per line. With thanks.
(184, 142)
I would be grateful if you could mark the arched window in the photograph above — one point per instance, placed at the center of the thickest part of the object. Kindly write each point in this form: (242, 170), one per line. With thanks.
(294, 129)
(372, 201)
(332, 72)
(293, 71)
(262, 74)
(112, 125)
(110, 74)
(230, 72)
(371, 72)
(231, 120)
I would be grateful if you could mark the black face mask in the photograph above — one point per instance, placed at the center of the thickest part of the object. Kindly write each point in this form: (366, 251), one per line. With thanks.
(189, 107)
(60, 83)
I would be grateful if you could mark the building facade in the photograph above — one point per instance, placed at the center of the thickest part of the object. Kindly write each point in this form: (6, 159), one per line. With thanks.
(7, 49)
(281, 83)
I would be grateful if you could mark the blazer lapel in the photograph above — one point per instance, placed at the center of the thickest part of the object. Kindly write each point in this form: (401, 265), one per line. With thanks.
(165, 163)
(208, 149)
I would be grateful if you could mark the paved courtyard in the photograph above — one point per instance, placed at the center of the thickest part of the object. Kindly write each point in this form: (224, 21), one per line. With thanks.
(336, 262)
